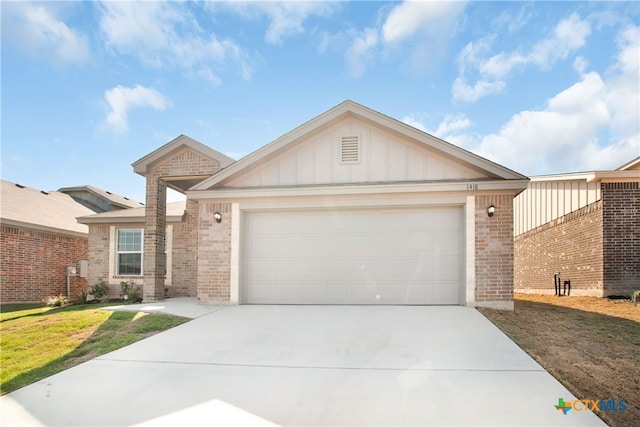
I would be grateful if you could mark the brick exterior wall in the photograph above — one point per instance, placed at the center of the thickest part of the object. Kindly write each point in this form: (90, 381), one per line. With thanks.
(570, 245)
(621, 237)
(184, 162)
(494, 252)
(98, 253)
(185, 254)
(214, 253)
(33, 264)
(155, 263)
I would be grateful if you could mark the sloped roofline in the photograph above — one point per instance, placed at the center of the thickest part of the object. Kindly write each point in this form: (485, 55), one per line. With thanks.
(141, 166)
(344, 109)
(115, 199)
(629, 165)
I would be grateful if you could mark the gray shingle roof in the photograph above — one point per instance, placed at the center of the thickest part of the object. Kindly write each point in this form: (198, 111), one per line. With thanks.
(51, 211)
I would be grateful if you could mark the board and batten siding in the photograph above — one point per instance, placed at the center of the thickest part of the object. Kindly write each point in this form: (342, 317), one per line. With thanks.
(544, 201)
(383, 157)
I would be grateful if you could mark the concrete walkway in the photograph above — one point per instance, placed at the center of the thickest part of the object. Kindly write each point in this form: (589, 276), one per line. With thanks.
(184, 307)
(306, 365)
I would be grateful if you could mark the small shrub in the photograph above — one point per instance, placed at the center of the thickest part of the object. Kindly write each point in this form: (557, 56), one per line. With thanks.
(635, 297)
(81, 298)
(56, 301)
(99, 290)
(130, 292)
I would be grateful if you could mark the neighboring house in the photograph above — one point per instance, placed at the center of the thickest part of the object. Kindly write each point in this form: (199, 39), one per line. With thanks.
(584, 226)
(352, 207)
(39, 238)
(99, 200)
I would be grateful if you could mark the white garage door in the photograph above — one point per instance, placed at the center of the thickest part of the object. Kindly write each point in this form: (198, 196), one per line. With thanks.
(358, 256)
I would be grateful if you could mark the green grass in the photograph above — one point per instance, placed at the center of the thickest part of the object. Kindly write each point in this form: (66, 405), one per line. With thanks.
(38, 341)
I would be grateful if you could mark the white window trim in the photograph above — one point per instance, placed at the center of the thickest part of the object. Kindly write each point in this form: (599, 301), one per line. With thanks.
(117, 252)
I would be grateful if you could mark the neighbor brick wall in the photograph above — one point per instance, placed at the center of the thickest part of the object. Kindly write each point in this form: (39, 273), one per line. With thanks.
(184, 281)
(621, 237)
(214, 253)
(570, 245)
(33, 264)
(494, 251)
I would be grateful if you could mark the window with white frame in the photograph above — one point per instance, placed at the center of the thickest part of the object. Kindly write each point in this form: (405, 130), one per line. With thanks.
(129, 247)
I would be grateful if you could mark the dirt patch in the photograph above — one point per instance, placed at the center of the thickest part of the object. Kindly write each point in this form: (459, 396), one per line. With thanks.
(591, 345)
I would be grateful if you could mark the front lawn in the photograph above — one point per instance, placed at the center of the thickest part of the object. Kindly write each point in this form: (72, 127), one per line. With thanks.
(37, 342)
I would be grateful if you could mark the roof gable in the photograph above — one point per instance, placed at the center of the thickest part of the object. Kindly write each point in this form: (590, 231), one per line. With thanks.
(390, 151)
(143, 165)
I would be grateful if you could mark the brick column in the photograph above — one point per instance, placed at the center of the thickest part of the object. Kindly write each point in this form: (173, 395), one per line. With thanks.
(154, 235)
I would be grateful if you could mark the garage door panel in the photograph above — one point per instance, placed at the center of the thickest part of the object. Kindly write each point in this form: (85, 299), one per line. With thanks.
(295, 269)
(359, 256)
(336, 269)
(260, 270)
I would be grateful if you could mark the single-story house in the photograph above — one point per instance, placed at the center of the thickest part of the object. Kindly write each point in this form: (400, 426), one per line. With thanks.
(351, 207)
(584, 226)
(40, 238)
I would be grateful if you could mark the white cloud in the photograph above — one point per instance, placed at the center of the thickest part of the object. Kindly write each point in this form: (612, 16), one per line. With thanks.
(569, 35)
(360, 51)
(286, 19)
(412, 17)
(580, 64)
(592, 125)
(568, 134)
(121, 99)
(167, 34)
(36, 28)
(451, 124)
(464, 92)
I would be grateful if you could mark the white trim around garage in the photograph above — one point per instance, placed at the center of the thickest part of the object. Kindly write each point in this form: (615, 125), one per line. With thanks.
(467, 203)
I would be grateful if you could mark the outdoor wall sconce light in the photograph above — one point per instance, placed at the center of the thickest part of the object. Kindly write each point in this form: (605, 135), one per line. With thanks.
(491, 210)
(218, 217)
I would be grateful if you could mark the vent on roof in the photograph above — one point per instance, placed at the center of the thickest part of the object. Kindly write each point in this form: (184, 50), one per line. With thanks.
(44, 192)
(350, 149)
(20, 186)
(108, 192)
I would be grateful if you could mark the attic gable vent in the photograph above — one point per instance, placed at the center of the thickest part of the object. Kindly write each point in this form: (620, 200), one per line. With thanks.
(350, 149)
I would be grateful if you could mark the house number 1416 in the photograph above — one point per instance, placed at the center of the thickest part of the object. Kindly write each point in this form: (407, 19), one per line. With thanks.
(473, 187)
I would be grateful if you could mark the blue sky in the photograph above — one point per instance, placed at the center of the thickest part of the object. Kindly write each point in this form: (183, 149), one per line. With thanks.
(90, 87)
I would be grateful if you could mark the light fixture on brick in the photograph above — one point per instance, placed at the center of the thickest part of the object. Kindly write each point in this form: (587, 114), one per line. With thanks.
(491, 210)
(218, 217)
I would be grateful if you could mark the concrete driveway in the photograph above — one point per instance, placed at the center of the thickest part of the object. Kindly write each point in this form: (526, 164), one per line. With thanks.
(307, 365)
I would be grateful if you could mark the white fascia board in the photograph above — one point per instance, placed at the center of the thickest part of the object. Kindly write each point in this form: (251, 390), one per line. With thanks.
(471, 187)
(122, 220)
(607, 176)
(38, 227)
